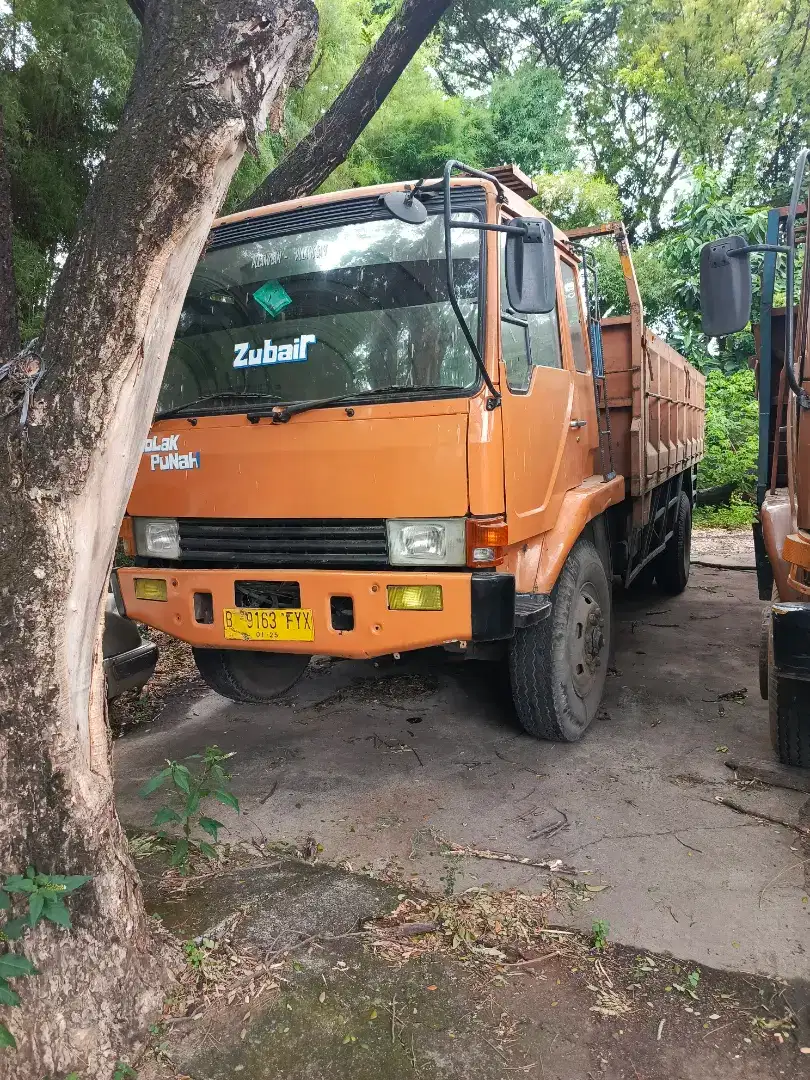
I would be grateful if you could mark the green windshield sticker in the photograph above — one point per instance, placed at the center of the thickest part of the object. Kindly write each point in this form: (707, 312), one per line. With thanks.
(273, 298)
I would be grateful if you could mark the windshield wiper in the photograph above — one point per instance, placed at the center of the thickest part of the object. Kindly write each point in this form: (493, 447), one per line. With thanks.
(213, 399)
(282, 413)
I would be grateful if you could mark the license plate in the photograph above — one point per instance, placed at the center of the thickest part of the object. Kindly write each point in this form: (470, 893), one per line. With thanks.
(263, 624)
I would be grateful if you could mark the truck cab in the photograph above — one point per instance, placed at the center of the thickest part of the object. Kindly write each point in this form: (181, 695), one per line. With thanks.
(361, 447)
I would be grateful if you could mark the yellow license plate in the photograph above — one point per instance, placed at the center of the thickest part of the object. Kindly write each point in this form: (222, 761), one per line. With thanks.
(263, 624)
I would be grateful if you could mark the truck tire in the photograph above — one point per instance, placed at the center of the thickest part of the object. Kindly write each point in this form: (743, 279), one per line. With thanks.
(557, 667)
(672, 565)
(788, 714)
(249, 677)
(764, 647)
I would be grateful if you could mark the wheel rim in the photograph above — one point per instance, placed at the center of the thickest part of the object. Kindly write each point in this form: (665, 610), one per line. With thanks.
(587, 640)
(687, 549)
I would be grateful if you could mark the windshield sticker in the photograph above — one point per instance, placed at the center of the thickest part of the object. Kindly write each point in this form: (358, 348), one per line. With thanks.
(164, 455)
(293, 352)
(273, 297)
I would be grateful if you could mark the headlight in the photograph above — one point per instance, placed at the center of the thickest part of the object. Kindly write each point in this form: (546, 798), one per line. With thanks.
(157, 537)
(427, 543)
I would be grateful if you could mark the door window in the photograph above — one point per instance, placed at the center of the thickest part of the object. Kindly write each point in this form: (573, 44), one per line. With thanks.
(570, 284)
(527, 341)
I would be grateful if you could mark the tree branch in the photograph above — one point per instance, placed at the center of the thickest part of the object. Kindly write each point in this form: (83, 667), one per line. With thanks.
(327, 144)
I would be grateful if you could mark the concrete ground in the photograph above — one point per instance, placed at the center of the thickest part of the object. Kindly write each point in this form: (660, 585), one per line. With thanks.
(381, 768)
(349, 1005)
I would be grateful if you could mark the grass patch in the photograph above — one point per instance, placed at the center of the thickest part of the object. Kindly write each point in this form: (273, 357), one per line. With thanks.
(737, 515)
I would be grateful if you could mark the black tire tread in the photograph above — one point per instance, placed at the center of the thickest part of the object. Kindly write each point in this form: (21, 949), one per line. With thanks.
(215, 670)
(672, 565)
(789, 706)
(540, 702)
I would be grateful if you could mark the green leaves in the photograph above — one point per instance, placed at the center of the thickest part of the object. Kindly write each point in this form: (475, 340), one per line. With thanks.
(56, 912)
(16, 966)
(190, 790)
(42, 894)
(180, 853)
(35, 906)
(211, 826)
(7, 995)
(227, 799)
(154, 783)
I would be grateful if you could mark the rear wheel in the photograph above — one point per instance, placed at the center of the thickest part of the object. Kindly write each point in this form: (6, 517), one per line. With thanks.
(788, 714)
(672, 565)
(249, 677)
(557, 667)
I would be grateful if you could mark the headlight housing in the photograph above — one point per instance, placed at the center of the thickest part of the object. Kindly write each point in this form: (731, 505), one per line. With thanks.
(158, 538)
(434, 542)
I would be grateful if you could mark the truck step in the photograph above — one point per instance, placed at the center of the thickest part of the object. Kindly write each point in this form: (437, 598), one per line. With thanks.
(531, 608)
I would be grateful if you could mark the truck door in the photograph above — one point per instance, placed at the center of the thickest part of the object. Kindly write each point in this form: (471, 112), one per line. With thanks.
(537, 381)
(586, 438)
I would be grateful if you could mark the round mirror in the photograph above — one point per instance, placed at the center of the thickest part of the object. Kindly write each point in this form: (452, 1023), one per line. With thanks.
(404, 206)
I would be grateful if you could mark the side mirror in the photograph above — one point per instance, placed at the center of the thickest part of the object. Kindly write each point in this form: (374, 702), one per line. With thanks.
(725, 286)
(531, 282)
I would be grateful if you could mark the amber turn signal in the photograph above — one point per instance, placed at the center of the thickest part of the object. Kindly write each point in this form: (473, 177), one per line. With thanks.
(487, 540)
(150, 588)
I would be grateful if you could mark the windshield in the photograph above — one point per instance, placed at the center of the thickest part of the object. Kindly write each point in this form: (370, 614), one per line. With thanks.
(324, 313)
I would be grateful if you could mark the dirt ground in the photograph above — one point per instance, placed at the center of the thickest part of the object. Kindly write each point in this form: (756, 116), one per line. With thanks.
(417, 774)
(732, 544)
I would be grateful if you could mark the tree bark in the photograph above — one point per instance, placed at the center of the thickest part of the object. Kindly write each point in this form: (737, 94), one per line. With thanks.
(9, 329)
(325, 147)
(209, 74)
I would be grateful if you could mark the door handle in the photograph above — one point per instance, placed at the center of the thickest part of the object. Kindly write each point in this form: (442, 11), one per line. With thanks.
(578, 423)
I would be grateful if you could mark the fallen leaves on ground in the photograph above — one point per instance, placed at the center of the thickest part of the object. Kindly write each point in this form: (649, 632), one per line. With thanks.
(482, 926)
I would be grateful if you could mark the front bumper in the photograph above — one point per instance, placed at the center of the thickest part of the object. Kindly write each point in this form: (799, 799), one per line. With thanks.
(476, 607)
(130, 670)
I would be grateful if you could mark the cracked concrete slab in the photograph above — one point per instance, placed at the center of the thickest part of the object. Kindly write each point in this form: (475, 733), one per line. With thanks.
(378, 763)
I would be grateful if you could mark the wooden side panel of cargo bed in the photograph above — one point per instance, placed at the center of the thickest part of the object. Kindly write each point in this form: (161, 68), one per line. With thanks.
(657, 407)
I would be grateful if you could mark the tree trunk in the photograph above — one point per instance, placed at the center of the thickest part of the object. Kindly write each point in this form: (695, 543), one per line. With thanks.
(209, 73)
(9, 330)
(326, 145)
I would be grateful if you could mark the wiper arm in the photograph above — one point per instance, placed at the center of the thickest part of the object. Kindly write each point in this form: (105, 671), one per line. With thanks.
(282, 413)
(212, 399)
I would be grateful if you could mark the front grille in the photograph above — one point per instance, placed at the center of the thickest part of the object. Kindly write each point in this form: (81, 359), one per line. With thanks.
(289, 545)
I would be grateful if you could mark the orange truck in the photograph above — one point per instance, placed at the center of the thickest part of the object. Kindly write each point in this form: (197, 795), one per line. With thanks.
(393, 419)
(782, 526)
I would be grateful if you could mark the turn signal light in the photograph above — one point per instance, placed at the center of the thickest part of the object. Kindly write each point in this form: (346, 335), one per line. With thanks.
(150, 588)
(415, 598)
(487, 540)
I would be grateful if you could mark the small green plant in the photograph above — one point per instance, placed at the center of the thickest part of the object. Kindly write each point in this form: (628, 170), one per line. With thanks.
(196, 952)
(40, 897)
(600, 929)
(189, 792)
(124, 1072)
(737, 515)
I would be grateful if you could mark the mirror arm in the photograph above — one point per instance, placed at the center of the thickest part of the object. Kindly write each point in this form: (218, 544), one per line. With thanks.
(495, 399)
(749, 249)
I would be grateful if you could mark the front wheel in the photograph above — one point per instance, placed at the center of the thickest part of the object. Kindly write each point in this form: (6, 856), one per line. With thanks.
(249, 677)
(672, 565)
(557, 667)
